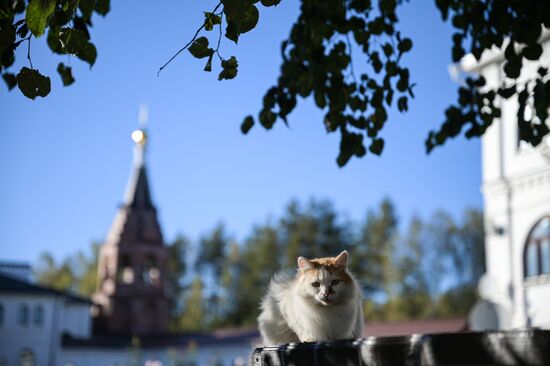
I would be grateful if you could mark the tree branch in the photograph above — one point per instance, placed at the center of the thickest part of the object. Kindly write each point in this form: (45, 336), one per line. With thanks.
(29, 51)
(190, 42)
(219, 39)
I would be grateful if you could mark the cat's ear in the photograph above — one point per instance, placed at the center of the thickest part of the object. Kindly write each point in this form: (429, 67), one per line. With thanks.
(304, 264)
(342, 259)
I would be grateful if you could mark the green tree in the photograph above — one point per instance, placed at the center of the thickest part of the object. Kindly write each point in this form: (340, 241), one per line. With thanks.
(48, 273)
(192, 317)
(176, 267)
(212, 251)
(86, 269)
(372, 259)
(415, 300)
(76, 273)
(259, 262)
(318, 60)
(312, 231)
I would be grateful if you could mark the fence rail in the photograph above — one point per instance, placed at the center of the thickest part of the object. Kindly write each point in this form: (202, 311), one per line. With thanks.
(527, 347)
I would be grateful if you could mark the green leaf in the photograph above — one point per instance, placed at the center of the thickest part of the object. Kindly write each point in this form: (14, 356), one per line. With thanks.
(230, 63)
(88, 53)
(532, 52)
(247, 124)
(210, 20)
(7, 35)
(241, 16)
(402, 104)
(320, 99)
(75, 42)
(86, 8)
(72, 40)
(53, 40)
(10, 80)
(388, 49)
(208, 66)
(507, 92)
(249, 19)
(69, 7)
(405, 45)
(231, 32)
(200, 49)
(377, 146)
(229, 69)
(102, 7)
(66, 74)
(270, 2)
(23, 30)
(37, 14)
(33, 84)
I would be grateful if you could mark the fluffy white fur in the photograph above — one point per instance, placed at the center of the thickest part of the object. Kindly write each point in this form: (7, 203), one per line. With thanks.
(294, 310)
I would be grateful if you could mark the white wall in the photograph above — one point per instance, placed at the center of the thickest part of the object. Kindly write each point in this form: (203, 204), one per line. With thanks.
(75, 319)
(15, 337)
(44, 340)
(203, 356)
(516, 190)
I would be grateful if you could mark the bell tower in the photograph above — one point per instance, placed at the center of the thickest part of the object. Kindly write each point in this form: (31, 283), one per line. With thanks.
(130, 292)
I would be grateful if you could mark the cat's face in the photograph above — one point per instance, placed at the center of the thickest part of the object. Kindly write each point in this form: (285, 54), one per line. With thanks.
(325, 280)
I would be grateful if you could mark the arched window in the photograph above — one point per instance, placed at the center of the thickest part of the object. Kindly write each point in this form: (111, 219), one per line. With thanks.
(125, 271)
(23, 315)
(26, 357)
(38, 316)
(537, 250)
(150, 274)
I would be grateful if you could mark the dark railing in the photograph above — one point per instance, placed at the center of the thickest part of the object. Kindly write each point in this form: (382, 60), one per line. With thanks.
(528, 347)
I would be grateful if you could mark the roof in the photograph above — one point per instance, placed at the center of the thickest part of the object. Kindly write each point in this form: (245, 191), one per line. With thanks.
(410, 327)
(138, 194)
(251, 336)
(11, 285)
(221, 337)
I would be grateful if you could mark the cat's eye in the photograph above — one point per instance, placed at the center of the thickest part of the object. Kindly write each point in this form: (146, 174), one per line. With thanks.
(335, 282)
(315, 284)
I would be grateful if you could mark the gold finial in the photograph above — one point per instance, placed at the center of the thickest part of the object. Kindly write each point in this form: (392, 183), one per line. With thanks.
(140, 136)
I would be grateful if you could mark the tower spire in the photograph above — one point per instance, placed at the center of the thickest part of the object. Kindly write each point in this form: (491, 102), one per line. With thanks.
(133, 260)
(137, 191)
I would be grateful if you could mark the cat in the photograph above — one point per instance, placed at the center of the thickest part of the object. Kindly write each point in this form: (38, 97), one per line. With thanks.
(322, 302)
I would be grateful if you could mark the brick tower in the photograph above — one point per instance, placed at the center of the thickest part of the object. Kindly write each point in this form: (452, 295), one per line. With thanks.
(130, 292)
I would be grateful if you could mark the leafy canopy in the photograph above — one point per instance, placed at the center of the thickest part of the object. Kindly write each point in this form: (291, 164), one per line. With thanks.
(318, 61)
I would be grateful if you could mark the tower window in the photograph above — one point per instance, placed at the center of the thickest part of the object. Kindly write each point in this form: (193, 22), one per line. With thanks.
(23, 315)
(537, 249)
(2, 315)
(125, 270)
(151, 274)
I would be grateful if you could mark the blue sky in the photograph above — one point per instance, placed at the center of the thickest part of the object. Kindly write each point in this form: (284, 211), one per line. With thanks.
(66, 158)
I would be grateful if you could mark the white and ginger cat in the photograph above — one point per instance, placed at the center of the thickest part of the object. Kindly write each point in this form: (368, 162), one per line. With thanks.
(321, 303)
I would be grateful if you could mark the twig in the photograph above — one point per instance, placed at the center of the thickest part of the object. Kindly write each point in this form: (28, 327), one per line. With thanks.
(29, 51)
(188, 43)
(219, 39)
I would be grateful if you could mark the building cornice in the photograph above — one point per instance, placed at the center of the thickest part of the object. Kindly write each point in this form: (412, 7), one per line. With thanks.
(538, 178)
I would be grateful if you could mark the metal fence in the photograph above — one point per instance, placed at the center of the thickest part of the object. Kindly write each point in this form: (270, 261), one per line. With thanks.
(528, 347)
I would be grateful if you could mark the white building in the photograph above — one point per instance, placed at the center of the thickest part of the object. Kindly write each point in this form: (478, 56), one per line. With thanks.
(33, 319)
(516, 192)
(40, 326)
